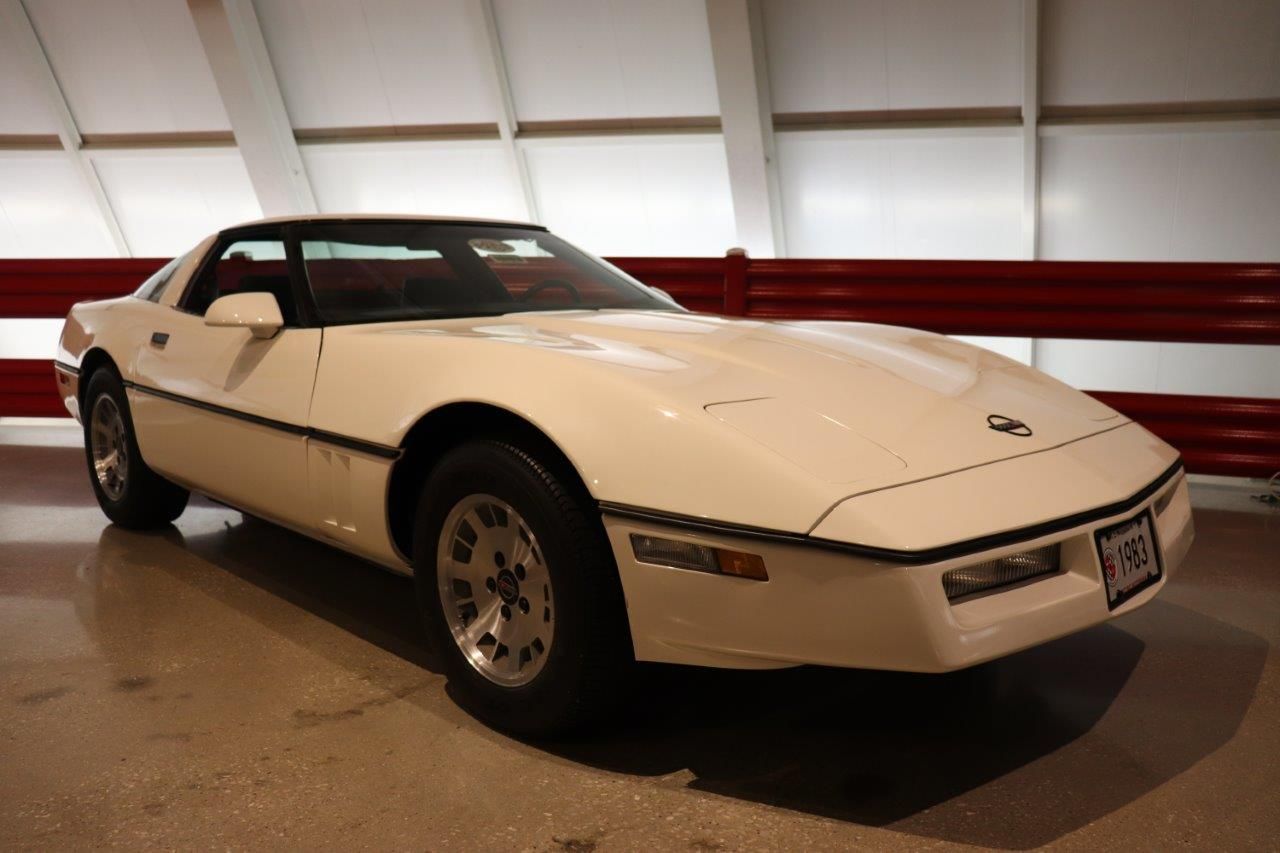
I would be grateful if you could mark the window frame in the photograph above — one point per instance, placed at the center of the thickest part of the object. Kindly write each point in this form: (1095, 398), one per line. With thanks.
(282, 233)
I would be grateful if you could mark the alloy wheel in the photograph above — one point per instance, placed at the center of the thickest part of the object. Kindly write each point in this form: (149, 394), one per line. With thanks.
(495, 590)
(109, 448)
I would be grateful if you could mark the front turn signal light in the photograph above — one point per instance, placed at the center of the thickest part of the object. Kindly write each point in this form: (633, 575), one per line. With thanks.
(741, 564)
(700, 558)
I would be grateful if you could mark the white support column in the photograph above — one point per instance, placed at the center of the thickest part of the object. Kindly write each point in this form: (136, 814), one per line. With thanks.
(1031, 140)
(486, 25)
(746, 119)
(14, 18)
(1030, 129)
(232, 39)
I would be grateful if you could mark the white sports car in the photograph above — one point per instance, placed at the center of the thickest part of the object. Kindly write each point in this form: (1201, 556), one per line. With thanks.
(579, 473)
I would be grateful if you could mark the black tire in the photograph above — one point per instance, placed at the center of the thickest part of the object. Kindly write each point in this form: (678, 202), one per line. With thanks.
(145, 500)
(589, 662)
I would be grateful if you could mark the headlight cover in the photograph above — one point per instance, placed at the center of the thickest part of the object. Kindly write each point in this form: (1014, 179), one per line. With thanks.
(1002, 571)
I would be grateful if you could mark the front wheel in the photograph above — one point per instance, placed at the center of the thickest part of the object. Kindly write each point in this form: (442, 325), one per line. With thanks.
(130, 493)
(518, 587)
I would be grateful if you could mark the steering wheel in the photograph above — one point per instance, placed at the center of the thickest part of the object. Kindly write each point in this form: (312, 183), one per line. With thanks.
(547, 285)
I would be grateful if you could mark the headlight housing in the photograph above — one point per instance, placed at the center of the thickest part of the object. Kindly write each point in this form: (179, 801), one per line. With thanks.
(1002, 571)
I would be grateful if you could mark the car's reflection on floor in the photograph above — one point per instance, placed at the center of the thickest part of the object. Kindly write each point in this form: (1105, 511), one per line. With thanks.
(1012, 754)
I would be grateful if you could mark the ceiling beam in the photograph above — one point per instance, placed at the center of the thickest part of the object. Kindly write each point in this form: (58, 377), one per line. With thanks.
(232, 40)
(14, 18)
(486, 25)
(746, 118)
(1030, 129)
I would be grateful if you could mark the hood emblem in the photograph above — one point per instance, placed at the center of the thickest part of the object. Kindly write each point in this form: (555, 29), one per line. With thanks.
(1000, 423)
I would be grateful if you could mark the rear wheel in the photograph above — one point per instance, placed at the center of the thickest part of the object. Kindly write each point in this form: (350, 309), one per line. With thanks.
(130, 493)
(519, 589)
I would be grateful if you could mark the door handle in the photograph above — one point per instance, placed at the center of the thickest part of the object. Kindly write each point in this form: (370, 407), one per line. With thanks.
(159, 339)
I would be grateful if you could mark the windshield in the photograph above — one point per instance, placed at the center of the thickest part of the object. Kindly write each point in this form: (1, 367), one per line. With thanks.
(383, 271)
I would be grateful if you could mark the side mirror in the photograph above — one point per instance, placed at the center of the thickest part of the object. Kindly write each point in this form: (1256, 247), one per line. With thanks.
(257, 312)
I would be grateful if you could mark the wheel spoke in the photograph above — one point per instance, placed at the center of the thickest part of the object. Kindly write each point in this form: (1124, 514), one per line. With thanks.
(106, 465)
(522, 552)
(485, 623)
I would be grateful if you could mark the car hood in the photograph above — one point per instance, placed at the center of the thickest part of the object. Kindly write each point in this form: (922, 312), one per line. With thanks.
(850, 403)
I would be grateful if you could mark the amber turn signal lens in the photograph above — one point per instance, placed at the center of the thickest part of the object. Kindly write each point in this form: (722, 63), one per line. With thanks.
(701, 558)
(741, 565)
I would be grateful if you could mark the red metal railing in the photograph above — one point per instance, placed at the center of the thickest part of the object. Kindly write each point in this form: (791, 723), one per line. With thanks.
(48, 288)
(1236, 436)
(27, 388)
(1209, 303)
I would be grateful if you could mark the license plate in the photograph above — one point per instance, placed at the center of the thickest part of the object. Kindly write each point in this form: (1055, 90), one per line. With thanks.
(1130, 558)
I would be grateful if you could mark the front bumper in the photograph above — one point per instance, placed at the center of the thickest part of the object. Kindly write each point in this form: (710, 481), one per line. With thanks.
(826, 607)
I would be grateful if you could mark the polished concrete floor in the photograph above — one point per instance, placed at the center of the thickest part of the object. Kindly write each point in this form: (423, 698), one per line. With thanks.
(228, 684)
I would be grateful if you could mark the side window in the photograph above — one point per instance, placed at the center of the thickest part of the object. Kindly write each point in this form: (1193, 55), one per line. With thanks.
(152, 289)
(245, 266)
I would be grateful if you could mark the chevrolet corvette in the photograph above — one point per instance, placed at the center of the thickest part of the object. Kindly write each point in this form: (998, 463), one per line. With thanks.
(579, 474)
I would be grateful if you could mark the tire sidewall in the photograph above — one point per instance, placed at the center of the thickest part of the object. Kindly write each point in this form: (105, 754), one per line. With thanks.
(492, 468)
(147, 500)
